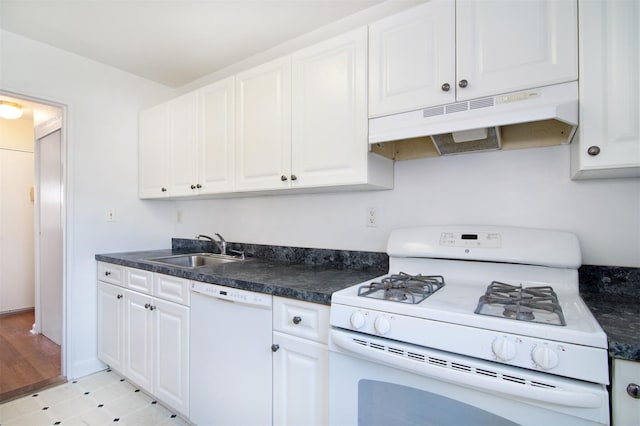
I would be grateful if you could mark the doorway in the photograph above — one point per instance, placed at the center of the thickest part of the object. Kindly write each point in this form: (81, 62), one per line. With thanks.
(33, 324)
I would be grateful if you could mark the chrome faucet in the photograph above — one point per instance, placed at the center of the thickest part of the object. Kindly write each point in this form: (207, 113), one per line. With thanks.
(222, 244)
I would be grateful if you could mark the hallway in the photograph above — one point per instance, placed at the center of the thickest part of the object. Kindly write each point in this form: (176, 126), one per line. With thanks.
(27, 362)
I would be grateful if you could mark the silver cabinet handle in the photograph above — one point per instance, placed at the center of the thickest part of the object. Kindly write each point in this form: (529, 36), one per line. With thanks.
(633, 390)
(147, 305)
(294, 177)
(297, 320)
(198, 186)
(463, 83)
(119, 296)
(275, 347)
(283, 178)
(593, 150)
(445, 87)
(106, 274)
(164, 190)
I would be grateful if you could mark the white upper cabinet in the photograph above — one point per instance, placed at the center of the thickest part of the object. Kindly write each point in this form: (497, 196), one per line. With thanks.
(506, 45)
(183, 144)
(329, 126)
(217, 136)
(608, 138)
(411, 55)
(445, 51)
(263, 126)
(153, 179)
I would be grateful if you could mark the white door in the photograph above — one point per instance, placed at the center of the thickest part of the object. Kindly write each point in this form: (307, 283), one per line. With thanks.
(216, 147)
(183, 144)
(110, 325)
(138, 331)
(300, 381)
(153, 142)
(505, 45)
(50, 238)
(171, 349)
(329, 115)
(412, 58)
(263, 126)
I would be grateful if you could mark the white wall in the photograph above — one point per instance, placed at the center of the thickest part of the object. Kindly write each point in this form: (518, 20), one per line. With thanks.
(520, 188)
(101, 127)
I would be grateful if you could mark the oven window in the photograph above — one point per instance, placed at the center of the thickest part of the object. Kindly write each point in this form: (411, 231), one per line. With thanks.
(383, 404)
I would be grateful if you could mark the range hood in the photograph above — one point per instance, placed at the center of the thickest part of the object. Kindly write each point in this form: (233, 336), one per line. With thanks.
(475, 125)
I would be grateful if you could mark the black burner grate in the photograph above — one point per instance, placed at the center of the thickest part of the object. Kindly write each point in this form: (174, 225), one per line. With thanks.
(403, 287)
(520, 303)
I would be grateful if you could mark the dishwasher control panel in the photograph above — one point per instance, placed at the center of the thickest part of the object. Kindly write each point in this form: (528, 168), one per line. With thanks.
(232, 294)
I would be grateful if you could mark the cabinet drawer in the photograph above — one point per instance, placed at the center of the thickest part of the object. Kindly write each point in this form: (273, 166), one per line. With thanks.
(303, 319)
(170, 288)
(110, 273)
(139, 280)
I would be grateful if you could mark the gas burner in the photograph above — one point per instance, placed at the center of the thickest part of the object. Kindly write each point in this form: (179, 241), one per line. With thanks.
(403, 287)
(534, 304)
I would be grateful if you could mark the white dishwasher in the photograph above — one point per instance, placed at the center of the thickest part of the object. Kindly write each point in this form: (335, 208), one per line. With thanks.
(230, 359)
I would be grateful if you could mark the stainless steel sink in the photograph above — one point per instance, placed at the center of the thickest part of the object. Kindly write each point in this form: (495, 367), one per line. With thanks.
(194, 260)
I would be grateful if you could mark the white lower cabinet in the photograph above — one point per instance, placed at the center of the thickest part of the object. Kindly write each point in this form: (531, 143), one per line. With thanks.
(300, 363)
(625, 393)
(111, 325)
(146, 338)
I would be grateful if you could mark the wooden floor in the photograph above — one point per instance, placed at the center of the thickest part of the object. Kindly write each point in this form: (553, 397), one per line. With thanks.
(28, 362)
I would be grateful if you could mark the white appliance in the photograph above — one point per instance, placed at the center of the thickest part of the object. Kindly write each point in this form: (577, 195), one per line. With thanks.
(460, 121)
(230, 359)
(488, 329)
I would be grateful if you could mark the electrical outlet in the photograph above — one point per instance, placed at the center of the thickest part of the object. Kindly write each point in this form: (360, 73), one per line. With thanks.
(372, 217)
(110, 215)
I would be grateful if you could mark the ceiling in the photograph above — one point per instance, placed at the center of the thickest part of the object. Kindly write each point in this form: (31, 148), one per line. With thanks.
(172, 42)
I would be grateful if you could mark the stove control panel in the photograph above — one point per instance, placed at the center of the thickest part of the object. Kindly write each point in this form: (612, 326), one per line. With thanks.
(563, 359)
(471, 239)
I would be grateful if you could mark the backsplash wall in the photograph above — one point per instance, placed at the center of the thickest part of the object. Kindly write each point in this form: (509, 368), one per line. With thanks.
(519, 188)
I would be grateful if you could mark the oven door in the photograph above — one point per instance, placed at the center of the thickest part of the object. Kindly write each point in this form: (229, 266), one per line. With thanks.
(375, 381)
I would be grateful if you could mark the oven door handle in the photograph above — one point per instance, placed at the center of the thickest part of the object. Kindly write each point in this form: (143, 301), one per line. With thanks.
(568, 398)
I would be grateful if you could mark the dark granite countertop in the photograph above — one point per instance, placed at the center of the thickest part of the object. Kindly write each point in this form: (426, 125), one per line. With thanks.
(306, 274)
(611, 293)
(613, 296)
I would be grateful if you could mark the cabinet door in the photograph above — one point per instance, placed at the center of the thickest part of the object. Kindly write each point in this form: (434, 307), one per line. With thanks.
(609, 90)
(111, 325)
(625, 408)
(138, 331)
(153, 181)
(263, 126)
(171, 355)
(300, 381)
(505, 45)
(217, 138)
(183, 144)
(411, 57)
(329, 128)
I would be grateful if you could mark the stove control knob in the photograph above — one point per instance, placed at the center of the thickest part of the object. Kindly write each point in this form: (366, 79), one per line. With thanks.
(382, 325)
(503, 349)
(357, 320)
(544, 357)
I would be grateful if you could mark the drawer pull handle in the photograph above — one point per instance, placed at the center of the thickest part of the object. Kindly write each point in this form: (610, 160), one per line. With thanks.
(106, 274)
(297, 320)
(275, 347)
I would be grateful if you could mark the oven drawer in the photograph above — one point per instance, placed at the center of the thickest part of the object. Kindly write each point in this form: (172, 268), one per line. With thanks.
(302, 319)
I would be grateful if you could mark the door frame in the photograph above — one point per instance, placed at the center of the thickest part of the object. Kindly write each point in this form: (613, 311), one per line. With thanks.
(64, 202)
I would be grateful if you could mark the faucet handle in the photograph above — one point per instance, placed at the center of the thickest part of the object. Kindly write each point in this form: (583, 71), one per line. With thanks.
(240, 252)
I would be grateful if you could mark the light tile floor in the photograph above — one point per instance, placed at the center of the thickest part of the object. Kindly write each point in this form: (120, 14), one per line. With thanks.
(99, 399)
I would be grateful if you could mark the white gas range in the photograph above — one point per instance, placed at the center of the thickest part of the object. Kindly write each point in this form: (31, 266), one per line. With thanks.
(494, 312)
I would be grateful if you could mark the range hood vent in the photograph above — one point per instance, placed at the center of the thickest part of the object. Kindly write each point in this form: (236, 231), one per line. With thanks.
(450, 126)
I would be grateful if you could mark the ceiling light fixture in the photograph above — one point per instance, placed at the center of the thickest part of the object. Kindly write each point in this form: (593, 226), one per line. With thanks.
(10, 110)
